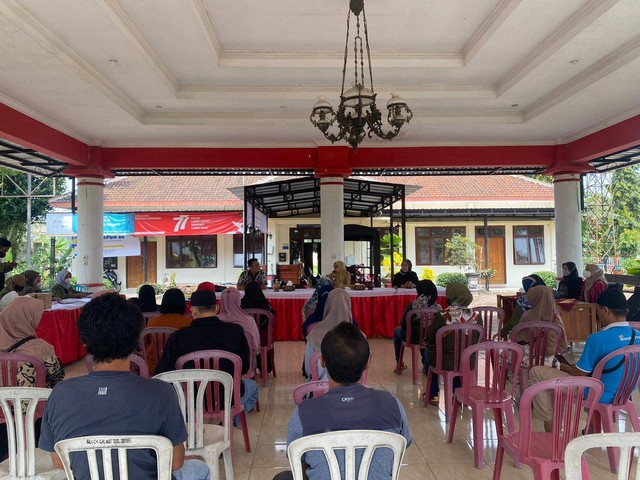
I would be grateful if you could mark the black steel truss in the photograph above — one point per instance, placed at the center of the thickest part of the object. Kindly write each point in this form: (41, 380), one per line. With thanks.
(625, 158)
(27, 160)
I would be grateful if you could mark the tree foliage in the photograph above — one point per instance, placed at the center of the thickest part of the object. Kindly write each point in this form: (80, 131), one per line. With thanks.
(461, 252)
(626, 206)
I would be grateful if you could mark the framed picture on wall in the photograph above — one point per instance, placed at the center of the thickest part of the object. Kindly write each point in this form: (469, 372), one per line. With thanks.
(282, 257)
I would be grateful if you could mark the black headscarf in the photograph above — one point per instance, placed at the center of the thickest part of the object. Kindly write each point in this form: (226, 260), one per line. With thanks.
(254, 298)
(572, 283)
(147, 299)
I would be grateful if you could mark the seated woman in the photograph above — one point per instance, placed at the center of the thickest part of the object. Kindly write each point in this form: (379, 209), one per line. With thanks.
(318, 314)
(18, 323)
(13, 289)
(310, 305)
(337, 310)
(570, 285)
(427, 296)
(522, 303)
(63, 289)
(254, 298)
(594, 283)
(171, 311)
(543, 309)
(33, 282)
(405, 278)
(147, 299)
(231, 312)
(340, 277)
(458, 300)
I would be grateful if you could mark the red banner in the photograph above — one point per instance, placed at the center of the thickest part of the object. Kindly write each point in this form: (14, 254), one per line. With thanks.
(205, 223)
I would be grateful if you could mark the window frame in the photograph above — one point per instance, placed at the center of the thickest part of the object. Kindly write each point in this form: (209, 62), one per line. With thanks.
(183, 238)
(461, 229)
(238, 241)
(528, 237)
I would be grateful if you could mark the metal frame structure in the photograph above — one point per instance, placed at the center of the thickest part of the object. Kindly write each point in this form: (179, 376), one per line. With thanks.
(624, 158)
(27, 160)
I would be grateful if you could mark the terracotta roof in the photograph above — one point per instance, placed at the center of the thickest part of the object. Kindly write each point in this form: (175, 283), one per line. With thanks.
(193, 193)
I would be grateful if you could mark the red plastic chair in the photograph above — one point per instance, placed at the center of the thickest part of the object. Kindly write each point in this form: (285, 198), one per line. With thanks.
(151, 344)
(544, 451)
(426, 317)
(317, 388)
(491, 317)
(315, 374)
(605, 413)
(9, 365)
(463, 334)
(138, 365)
(487, 390)
(210, 359)
(538, 339)
(267, 346)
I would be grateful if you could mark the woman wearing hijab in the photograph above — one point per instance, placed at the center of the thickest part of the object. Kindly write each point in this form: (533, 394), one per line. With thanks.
(254, 298)
(12, 290)
(522, 303)
(18, 323)
(318, 313)
(458, 299)
(594, 283)
(570, 285)
(340, 277)
(543, 309)
(405, 278)
(310, 305)
(33, 282)
(63, 289)
(427, 296)
(337, 310)
(231, 312)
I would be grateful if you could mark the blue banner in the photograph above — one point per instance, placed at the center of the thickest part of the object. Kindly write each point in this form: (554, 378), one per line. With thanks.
(66, 224)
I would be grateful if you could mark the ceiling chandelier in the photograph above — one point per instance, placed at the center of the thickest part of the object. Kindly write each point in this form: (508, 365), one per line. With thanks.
(357, 114)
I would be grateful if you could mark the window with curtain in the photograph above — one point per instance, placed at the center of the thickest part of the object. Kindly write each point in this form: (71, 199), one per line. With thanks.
(192, 252)
(430, 243)
(528, 245)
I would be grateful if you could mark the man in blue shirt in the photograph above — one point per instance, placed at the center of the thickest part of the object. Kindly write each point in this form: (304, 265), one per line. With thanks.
(615, 333)
(348, 405)
(111, 400)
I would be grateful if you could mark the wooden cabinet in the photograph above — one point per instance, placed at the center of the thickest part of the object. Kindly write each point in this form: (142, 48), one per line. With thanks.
(289, 273)
(579, 322)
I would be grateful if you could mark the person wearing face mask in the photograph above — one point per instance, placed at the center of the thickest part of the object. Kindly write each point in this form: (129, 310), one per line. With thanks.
(594, 283)
(33, 282)
(63, 289)
(12, 290)
(570, 286)
(5, 267)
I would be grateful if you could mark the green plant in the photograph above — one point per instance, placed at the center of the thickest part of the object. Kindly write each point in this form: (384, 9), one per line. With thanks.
(159, 289)
(428, 274)
(446, 278)
(107, 284)
(461, 252)
(548, 277)
(397, 261)
(487, 275)
(628, 263)
(172, 280)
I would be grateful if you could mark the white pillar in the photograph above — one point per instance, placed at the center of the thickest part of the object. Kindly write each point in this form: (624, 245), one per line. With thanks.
(88, 263)
(331, 221)
(566, 188)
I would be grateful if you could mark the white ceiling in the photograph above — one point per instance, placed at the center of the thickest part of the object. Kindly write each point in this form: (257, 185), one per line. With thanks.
(247, 72)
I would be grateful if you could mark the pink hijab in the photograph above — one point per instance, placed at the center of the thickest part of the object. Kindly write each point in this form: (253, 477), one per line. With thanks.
(19, 320)
(231, 312)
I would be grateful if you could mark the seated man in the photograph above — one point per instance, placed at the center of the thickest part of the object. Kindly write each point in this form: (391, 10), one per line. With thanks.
(615, 333)
(208, 332)
(253, 273)
(345, 354)
(113, 401)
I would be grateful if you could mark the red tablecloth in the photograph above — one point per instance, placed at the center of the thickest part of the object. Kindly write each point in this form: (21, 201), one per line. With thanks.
(58, 327)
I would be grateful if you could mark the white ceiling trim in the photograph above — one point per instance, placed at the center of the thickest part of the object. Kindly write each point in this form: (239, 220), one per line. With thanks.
(51, 42)
(489, 26)
(575, 24)
(572, 136)
(609, 64)
(127, 26)
(203, 16)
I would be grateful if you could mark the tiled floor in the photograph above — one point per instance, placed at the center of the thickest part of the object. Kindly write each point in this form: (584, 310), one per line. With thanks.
(430, 457)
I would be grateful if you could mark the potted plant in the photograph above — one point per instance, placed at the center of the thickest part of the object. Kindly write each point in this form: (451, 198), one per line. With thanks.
(461, 252)
(487, 275)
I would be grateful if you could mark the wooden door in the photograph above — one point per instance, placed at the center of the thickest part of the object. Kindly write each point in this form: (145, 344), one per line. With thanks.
(496, 246)
(135, 266)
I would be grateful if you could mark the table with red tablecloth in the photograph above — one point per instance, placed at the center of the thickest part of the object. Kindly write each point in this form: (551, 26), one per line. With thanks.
(59, 328)
(377, 311)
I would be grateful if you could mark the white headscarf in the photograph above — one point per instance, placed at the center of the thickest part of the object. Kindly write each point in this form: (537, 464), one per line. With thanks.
(60, 277)
(336, 310)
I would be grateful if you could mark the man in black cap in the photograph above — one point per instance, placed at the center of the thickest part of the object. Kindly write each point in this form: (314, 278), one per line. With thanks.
(207, 332)
(5, 267)
(615, 333)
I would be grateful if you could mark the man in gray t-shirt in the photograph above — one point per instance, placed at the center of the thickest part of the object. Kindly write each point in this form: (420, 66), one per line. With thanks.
(112, 401)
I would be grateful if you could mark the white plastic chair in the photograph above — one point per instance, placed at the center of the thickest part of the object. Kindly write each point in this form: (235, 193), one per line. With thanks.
(106, 445)
(205, 440)
(25, 460)
(348, 441)
(575, 465)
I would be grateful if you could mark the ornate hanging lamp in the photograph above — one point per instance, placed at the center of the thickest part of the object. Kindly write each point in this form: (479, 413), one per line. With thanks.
(357, 114)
